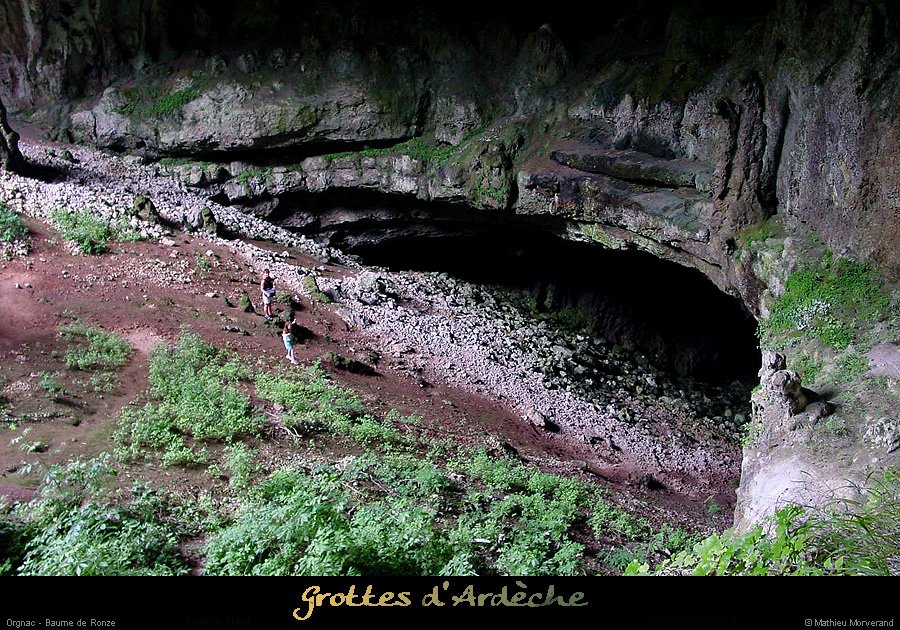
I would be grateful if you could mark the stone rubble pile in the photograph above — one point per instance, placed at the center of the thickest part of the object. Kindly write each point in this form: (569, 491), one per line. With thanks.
(467, 335)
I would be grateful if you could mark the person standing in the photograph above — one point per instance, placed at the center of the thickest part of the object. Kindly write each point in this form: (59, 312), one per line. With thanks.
(288, 337)
(267, 291)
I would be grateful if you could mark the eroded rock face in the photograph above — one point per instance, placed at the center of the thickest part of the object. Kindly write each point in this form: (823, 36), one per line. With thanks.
(779, 465)
(780, 393)
(676, 154)
(10, 157)
(230, 117)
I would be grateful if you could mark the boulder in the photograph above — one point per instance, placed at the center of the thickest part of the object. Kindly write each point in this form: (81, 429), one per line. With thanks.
(145, 210)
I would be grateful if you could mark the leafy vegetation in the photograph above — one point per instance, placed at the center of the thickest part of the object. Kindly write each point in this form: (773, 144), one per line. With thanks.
(824, 302)
(302, 524)
(203, 265)
(396, 514)
(313, 403)
(239, 462)
(194, 396)
(851, 537)
(91, 234)
(12, 227)
(852, 365)
(399, 522)
(751, 431)
(48, 383)
(68, 530)
(92, 348)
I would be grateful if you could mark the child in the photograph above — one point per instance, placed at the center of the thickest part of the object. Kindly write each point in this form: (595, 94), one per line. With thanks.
(267, 290)
(288, 339)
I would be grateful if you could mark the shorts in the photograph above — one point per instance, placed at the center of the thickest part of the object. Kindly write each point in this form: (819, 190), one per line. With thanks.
(267, 299)
(288, 343)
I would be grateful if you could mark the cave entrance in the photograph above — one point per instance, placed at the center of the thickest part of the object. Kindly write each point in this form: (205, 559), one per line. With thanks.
(672, 314)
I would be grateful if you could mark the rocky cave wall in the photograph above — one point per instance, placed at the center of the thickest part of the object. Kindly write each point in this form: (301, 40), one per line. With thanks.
(673, 127)
(669, 125)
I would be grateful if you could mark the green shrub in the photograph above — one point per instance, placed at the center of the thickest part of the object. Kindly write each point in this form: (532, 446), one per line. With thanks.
(193, 394)
(48, 383)
(70, 530)
(606, 519)
(855, 537)
(311, 400)
(751, 431)
(391, 515)
(203, 265)
(90, 234)
(93, 348)
(495, 472)
(12, 227)
(306, 524)
(239, 462)
(14, 536)
(100, 539)
(529, 517)
(807, 367)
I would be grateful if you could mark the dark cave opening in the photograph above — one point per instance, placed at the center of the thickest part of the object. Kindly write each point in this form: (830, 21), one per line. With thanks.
(672, 314)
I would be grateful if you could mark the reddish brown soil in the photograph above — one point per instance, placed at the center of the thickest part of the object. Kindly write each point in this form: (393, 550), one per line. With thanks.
(115, 291)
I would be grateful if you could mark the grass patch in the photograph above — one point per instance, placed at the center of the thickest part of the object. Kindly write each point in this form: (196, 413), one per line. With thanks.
(315, 293)
(808, 367)
(12, 227)
(421, 148)
(825, 303)
(94, 350)
(194, 397)
(149, 102)
(254, 174)
(757, 234)
(91, 234)
(239, 463)
(851, 365)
